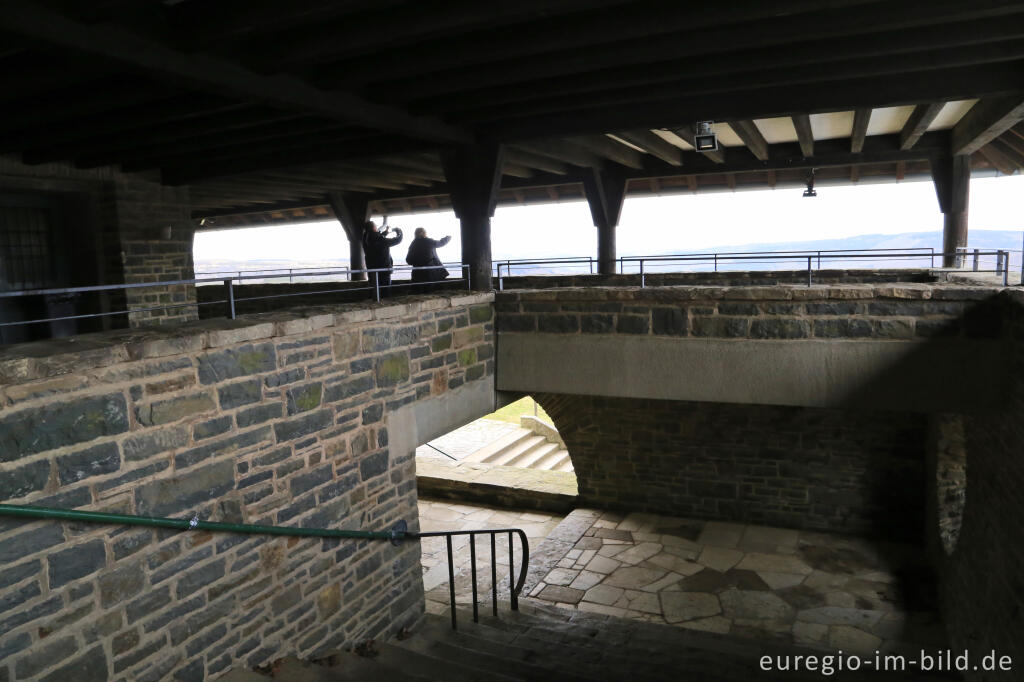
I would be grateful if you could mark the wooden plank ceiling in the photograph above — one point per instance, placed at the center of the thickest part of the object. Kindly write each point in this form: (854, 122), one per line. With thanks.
(263, 108)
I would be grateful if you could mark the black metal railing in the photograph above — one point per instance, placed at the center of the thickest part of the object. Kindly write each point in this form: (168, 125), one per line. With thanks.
(515, 586)
(396, 535)
(998, 259)
(374, 287)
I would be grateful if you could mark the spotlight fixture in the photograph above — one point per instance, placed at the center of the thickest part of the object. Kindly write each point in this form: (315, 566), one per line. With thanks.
(809, 192)
(705, 140)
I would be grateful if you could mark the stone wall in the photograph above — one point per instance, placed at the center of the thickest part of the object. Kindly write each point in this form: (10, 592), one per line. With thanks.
(273, 419)
(142, 229)
(881, 311)
(810, 468)
(979, 569)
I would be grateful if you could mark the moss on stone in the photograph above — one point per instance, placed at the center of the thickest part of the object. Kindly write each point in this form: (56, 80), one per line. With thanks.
(440, 343)
(392, 369)
(467, 356)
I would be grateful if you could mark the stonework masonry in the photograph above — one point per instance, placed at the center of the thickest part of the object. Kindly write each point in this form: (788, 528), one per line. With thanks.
(144, 230)
(810, 468)
(272, 419)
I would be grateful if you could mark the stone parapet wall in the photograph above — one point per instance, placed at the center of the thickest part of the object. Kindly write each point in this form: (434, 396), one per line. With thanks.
(878, 311)
(272, 419)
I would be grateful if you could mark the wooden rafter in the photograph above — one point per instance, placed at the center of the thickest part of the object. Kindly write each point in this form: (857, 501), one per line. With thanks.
(985, 121)
(747, 131)
(861, 118)
(609, 149)
(802, 124)
(654, 145)
(917, 124)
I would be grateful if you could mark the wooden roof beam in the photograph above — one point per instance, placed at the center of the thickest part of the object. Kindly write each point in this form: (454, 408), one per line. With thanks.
(521, 157)
(516, 171)
(1009, 151)
(686, 132)
(653, 145)
(752, 137)
(861, 118)
(917, 125)
(802, 123)
(998, 160)
(610, 149)
(219, 75)
(561, 150)
(985, 121)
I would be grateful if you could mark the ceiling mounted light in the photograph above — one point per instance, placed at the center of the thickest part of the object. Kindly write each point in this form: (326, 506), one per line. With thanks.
(705, 140)
(809, 192)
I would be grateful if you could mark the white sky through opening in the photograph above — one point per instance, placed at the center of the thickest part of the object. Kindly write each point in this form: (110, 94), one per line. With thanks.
(679, 223)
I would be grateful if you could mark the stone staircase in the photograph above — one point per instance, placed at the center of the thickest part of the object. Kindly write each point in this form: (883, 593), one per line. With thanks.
(524, 449)
(551, 644)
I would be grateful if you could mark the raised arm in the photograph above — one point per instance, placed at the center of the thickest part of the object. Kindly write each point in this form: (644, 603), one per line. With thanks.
(442, 241)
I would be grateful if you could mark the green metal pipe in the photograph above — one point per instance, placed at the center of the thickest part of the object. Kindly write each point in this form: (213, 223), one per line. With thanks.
(395, 535)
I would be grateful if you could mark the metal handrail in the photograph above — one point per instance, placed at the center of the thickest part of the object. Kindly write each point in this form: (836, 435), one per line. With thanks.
(515, 586)
(398, 533)
(229, 286)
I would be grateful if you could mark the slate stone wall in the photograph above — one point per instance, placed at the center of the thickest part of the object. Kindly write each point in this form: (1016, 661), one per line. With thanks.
(272, 419)
(810, 468)
(879, 311)
(734, 278)
(980, 577)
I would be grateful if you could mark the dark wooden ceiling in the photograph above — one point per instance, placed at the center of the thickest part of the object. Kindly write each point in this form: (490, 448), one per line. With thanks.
(263, 106)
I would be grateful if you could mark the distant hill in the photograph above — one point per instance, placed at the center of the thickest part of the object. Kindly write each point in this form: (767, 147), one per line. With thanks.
(981, 239)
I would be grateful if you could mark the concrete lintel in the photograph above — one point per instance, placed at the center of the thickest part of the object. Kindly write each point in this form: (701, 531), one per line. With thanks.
(954, 375)
(416, 423)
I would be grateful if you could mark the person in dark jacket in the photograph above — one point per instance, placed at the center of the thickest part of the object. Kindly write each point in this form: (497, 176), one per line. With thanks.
(422, 253)
(377, 248)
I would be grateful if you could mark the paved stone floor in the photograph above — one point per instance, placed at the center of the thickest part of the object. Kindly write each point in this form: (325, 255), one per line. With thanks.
(813, 589)
(466, 440)
(452, 516)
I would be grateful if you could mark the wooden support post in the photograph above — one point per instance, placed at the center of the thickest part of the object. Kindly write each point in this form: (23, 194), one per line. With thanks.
(952, 177)
(606, 190)
(351, 209)
(474, 174)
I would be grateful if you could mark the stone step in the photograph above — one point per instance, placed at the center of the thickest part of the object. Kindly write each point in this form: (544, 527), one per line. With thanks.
(511, 453)
(564, 464)
(506, 441)
(551, 460)
(526, 459)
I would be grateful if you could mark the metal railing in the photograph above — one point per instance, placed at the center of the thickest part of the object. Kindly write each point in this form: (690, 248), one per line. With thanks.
(230, 300)
(815, 260)
(396, 535)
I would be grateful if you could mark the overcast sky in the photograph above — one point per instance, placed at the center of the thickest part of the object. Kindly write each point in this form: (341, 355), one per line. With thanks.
(657, 224)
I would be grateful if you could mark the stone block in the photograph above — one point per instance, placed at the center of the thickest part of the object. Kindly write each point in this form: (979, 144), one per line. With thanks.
(122, 583)
(28, 431)
(468, 336)
(185, 491)
(842, 328)
(668, 321)
(143, 445)
(309, 423)
(43, 655)
(303, 483)
(174, 409)
(304, 398)
(93, 461)
(480, 313)
(198, 578)
(240, 394)
(373, 465)
(15, 548)
(43, 389)
(238, 331)
(258, 414)
(211, 428)
(221, 447)
(90, 667)
(76, 562)
(779, 328)
(334, 393)
(632, 324)
(721, 327)
(24, 479)
(237, 362)
(392, 369)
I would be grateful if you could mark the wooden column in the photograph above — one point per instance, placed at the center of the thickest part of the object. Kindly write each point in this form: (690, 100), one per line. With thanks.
(473, 173)
(351, 209)
(952, 177)
(606, 190)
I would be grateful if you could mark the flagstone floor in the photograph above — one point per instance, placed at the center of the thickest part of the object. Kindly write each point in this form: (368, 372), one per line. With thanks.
(813, 589)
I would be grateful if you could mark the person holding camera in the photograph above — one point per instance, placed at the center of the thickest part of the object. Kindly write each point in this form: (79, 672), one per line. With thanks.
(423, 254)
(377, 248)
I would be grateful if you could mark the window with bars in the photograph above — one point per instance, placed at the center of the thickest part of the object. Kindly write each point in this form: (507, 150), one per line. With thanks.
(26, 248)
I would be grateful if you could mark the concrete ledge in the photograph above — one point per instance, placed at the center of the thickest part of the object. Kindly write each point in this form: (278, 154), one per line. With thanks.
(510, 487)
(964, 375)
